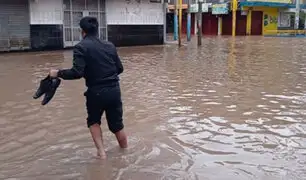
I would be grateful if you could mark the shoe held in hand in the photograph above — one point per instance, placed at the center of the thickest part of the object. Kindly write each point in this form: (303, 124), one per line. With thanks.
(55, 82)
(44, 86)
(48, 86)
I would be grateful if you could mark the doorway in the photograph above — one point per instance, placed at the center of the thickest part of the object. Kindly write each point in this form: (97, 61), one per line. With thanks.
(256, 26)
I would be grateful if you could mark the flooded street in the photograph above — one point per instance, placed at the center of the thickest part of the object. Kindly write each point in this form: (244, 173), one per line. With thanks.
(229, 110)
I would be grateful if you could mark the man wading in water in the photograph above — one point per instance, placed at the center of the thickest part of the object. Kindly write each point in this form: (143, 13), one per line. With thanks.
(98, 62)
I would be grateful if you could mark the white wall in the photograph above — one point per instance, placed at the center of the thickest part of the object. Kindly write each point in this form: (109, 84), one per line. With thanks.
(46, 11)
(122, 12)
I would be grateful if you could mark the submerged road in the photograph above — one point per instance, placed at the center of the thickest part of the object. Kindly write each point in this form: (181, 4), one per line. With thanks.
(231, 109)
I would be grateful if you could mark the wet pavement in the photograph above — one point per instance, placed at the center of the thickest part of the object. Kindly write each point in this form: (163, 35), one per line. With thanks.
(232, 109)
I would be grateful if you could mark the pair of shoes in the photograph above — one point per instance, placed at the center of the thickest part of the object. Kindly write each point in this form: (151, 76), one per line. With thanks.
(43, 87)
(48, 87)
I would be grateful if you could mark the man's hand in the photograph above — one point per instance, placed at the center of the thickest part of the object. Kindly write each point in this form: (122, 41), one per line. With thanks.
(53, 73)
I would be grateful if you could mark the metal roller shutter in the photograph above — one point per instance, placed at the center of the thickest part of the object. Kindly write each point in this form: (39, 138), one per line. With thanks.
(14, 25)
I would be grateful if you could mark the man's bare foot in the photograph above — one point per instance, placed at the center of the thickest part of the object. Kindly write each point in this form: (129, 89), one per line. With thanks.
(101, 154)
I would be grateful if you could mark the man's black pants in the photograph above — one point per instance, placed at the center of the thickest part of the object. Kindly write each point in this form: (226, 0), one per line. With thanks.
(106, 99)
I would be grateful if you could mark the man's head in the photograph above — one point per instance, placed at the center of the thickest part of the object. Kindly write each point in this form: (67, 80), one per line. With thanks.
(89, 26)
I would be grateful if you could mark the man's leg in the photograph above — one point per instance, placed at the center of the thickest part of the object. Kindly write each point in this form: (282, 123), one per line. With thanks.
(95, 112)
(114, 113)
(97, 137)
(121, 138)
(115, 125)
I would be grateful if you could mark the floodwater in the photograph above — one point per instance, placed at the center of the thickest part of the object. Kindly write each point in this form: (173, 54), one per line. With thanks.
(233, 109)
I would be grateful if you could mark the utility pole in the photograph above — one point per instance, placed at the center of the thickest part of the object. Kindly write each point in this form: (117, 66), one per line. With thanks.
(180, 21)
(234, 11)
(219, 25)
(165, 20)
(220, 21)
(175, 21)
(305, 21)
(189, 22)
(200, 23)
(297, 14)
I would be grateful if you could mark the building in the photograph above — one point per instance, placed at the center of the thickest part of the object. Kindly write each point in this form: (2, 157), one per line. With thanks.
(254, 17)
(272, 17)
(54, 24)
(262, 16)
(214, 12)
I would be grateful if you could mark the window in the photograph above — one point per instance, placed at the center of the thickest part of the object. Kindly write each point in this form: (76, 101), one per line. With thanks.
(284, 19)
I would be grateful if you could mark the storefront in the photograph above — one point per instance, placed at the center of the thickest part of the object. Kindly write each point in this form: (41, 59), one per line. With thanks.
(55, 24)
(46, 24)
(225, 26)
(241, 24)
(14, 25)
(209, 24)
(263, 17)
(263, 20)
(209, 20)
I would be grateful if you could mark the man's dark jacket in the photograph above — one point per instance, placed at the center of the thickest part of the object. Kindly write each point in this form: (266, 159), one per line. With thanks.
(95, 60)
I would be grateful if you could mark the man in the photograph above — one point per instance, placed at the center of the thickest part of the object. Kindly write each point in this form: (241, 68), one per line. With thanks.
(98, 62)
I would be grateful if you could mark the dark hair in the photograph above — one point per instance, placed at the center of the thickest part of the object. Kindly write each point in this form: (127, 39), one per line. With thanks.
(89, 25)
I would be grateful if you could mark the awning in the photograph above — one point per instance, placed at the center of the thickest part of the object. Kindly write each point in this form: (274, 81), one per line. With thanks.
(265, 4)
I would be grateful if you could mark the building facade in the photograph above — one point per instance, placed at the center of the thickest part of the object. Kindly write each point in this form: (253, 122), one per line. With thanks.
(133, 23)
(254, 17)
(54, 24)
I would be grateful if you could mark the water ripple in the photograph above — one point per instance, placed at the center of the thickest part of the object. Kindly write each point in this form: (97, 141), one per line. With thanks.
(235, 106)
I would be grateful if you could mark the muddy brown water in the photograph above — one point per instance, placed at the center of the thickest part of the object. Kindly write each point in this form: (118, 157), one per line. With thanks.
(232, 109)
